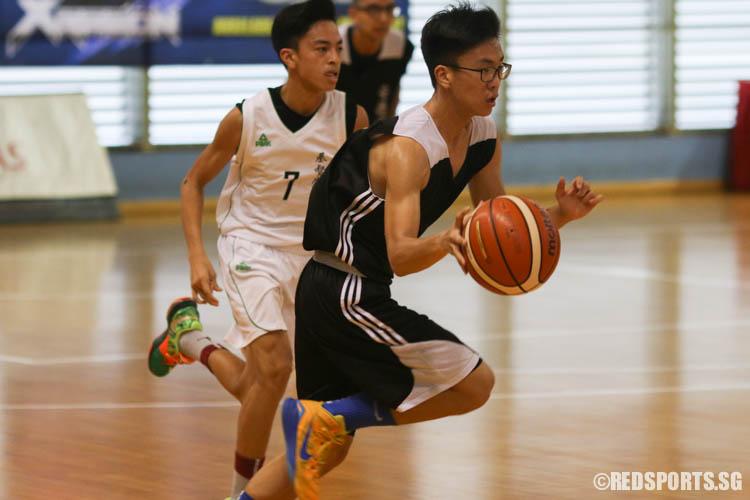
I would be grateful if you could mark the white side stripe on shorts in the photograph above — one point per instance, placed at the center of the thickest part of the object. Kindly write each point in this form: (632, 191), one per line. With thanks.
(367, 318)
(355, 314)
(372, 320)
(347, 298)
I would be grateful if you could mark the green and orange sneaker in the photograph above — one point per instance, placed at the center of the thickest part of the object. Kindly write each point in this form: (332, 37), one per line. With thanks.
(164, 353)
(311, 432)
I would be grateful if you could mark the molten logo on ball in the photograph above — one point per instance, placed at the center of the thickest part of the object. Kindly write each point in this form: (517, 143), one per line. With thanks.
(513, 246)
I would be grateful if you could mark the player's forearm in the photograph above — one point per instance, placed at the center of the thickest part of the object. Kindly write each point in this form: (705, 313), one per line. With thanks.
(411, 255)
(191, 211)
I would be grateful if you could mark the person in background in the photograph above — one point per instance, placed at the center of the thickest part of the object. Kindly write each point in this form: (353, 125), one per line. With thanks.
(374, 57)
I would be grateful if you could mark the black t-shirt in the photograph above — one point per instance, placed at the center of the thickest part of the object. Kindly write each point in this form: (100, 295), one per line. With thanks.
(295, 121)
(373, 80)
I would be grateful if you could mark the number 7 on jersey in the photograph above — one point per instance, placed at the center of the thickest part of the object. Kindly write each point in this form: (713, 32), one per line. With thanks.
(294, 176)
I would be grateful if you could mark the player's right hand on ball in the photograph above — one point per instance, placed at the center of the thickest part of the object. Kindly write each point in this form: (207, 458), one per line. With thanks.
(203, 281)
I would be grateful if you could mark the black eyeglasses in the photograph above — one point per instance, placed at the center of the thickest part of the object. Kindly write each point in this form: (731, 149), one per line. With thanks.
(489, 73)
(373, 10)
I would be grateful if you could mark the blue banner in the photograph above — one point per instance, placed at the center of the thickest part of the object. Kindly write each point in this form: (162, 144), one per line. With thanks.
(145, 32)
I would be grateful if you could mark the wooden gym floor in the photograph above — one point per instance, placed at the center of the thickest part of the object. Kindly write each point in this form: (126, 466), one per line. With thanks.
(634, 357)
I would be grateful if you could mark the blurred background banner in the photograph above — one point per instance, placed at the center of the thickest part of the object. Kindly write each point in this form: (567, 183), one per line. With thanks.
(51, 165)
(48, 149)
(135, 33)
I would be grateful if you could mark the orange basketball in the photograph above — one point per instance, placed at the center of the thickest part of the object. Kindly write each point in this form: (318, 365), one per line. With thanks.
(512, 245)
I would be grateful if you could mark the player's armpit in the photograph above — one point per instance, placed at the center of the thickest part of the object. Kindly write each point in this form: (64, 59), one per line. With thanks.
(488, 182)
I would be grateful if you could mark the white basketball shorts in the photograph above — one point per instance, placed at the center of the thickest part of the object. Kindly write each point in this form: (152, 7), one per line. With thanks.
(260, 282)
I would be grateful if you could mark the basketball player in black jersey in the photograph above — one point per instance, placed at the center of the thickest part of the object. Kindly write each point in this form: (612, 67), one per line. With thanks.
(374, 58)
(362, 359)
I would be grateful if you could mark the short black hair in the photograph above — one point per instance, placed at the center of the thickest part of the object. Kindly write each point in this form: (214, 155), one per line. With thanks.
(294, 21)
(455, 30)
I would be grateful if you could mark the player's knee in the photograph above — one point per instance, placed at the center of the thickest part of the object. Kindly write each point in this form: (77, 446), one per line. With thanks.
(477, 388)
(274, 361)
(275, 371)
(484, 384)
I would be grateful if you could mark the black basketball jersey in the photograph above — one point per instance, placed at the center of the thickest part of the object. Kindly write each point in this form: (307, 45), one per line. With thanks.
(346, 218)
(373, 80)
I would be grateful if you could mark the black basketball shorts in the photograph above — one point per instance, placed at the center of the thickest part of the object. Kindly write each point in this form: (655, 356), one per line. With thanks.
(352, 337)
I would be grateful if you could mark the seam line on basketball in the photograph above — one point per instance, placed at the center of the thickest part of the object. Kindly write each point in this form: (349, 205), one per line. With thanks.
(507, 289)
(500, 247)
(532, 281)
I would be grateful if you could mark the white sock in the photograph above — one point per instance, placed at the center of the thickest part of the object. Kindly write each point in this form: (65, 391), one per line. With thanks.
(192, 343)
(239, 482)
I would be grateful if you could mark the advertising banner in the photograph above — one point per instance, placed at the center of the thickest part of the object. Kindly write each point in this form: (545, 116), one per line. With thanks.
(141, 32)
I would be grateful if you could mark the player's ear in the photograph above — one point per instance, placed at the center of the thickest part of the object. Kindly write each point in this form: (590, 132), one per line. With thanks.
(443, 76)
(288, 57)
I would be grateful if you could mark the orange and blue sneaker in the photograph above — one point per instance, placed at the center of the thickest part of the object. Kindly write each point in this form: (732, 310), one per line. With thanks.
(311, 432)
(164, 353)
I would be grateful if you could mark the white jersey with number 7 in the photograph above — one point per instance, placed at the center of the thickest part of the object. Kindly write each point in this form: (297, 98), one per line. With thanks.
(264, 198)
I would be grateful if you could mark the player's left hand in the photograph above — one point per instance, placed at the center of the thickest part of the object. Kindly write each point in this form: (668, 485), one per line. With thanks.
(577, 199)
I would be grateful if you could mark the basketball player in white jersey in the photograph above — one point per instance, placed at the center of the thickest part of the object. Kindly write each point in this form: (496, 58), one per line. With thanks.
(362, 359)
(279, 142)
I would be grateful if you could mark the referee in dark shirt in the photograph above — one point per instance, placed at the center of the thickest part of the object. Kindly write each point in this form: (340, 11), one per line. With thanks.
(374, 57)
